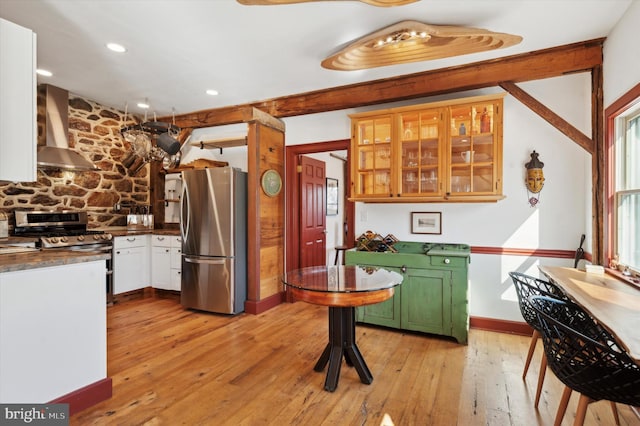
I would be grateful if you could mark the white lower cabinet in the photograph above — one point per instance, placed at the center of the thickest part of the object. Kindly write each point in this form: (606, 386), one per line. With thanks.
(53, 332)
(130, 263)
(166, 262)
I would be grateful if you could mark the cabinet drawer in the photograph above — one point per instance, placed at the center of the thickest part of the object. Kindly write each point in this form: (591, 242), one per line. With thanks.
(176, 242)
(161, 240)
(129, 241)
(448, 261)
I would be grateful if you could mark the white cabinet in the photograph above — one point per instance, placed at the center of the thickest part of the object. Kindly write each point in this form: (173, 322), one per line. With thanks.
(65, 307)
(18, 116)
(160, 262)
(172, 193)
(166, 262)
(130, 263)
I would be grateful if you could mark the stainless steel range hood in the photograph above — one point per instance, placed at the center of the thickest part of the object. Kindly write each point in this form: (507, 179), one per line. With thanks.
(57, 154)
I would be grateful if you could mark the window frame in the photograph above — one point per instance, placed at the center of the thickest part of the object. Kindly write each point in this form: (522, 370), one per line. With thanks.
(618, 108)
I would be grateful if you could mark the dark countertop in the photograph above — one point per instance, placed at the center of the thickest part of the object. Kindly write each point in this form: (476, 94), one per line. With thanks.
(18, 240)
(123, 231)
(56, 257)
(46, 258)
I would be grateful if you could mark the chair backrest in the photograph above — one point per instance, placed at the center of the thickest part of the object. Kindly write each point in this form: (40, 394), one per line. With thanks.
(583, 354)
(527, 286)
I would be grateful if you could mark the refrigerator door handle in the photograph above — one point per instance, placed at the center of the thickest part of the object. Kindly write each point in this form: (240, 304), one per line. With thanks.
(184, 205)
(207, 261)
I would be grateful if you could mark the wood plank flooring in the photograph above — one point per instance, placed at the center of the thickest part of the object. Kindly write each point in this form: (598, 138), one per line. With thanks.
(172, 366)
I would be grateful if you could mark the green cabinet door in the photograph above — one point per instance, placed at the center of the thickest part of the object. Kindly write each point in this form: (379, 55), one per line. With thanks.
(385, 313)
(425, 303)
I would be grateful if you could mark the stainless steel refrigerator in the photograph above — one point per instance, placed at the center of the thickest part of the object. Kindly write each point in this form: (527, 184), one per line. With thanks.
(213, 224)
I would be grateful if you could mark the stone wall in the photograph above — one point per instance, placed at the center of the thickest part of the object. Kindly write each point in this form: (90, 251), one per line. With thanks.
(94, 131)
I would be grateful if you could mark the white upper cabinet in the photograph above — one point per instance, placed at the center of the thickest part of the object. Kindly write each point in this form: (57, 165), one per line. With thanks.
(18, 100)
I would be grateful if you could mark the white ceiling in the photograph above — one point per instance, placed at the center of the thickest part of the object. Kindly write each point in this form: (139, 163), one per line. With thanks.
(179, 48)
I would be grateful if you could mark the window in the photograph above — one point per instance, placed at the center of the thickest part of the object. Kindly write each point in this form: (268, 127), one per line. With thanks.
(624, 190)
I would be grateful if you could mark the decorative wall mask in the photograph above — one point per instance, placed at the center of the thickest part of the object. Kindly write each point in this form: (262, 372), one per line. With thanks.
(535, 178)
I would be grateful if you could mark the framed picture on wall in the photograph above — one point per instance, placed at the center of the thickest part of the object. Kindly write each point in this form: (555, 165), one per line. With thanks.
(426, 222)
(332, 197)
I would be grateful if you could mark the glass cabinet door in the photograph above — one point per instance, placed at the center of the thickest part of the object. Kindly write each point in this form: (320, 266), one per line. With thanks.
(420, 153)
(373, 156)
(472, 148)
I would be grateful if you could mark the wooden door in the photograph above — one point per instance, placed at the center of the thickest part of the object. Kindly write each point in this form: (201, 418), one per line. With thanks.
(313, 196)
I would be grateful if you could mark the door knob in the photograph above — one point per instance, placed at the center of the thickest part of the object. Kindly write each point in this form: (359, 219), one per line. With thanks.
(325, 231)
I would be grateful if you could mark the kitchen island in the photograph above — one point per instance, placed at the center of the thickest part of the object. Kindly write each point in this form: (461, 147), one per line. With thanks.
(53, 328)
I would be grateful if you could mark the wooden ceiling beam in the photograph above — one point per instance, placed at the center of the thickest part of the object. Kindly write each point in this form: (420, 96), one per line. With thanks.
(540, 64)
(551, 117)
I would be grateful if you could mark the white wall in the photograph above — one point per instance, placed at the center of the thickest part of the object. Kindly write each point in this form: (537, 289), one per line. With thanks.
(621, 56)
(556, 223)
(235, 156)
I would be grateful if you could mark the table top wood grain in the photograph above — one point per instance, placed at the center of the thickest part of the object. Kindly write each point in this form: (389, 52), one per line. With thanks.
(614, 303)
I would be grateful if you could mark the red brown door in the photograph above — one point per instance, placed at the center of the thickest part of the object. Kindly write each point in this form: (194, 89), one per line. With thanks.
(313, 196)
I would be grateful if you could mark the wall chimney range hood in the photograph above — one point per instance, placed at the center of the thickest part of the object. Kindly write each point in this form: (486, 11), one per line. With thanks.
(56, 154)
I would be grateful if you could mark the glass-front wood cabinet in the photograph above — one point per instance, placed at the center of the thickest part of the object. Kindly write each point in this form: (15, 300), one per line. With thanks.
(445, 151)
(419, 156)
(373, 156)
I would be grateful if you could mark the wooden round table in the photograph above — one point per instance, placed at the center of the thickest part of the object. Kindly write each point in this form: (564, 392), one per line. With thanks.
(342, 288)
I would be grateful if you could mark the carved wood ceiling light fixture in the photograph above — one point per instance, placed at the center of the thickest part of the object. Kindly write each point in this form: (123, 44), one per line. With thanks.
(413, 41)
(380, 3)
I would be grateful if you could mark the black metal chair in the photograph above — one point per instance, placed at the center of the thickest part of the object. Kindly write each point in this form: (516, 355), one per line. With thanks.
(527, 286)
(585, 357)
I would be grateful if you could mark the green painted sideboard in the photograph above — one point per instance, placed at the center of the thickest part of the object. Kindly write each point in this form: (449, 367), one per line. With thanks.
(433, 295)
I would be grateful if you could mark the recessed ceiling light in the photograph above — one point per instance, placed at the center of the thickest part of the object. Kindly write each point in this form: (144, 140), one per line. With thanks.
(212, 92)
(143, 105)
(116, 47)
(44, 73)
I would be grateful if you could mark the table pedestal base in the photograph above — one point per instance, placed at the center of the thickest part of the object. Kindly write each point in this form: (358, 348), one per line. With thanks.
(342, 342)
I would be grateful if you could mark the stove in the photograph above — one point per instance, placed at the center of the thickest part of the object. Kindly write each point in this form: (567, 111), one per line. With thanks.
(65, 230)
(89, 239)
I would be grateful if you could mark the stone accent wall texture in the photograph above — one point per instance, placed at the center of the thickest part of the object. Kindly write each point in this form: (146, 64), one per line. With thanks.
(94, 131)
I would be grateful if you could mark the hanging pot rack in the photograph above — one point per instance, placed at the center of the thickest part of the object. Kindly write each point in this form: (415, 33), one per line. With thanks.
(142, 151)
(152, 127)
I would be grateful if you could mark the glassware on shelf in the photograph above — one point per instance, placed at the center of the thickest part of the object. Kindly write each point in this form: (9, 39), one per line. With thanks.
(485, 121)
(408, 133)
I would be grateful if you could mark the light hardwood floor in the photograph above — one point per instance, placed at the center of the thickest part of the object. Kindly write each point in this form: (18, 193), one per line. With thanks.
(172, 366)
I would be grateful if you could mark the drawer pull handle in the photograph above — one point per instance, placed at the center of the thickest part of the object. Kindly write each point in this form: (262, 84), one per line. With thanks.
(131, 239)
(403, 269)
(447, 261)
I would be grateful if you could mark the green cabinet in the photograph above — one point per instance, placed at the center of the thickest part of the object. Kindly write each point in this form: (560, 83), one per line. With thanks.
(433, 295)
